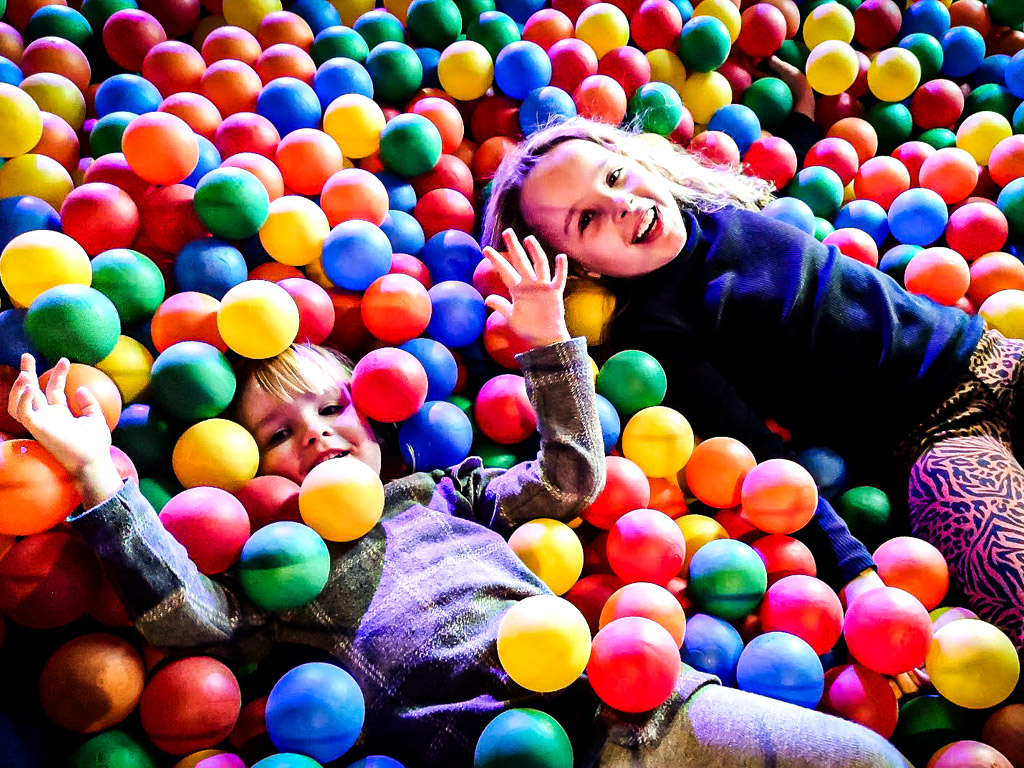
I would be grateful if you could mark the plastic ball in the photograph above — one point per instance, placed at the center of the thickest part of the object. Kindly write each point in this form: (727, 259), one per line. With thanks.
(915, 566)
(888, 630)
(632, 380)
(806, 607)
(100, 217)
(257, 319)
(1003, 730)
(658, 108)
(603, 27)
(341, 499)
(551, 550)
(22, 121)
(192, 380)
(858, 694)
(396, 71)
(939, 273)
(395, 309)
(917, 217)
(950, 172)
(793, 212)
(980, 133)
(713, 646)
(289, 104)
(659, 440)
(355, 123)
(601, 98)
(215, 452)
(294, 231)
(645, 545)
(405, 234)
(634, 664)
(968, 754)
(465, 70)
(727, 578)
(832, 67)
(410, 145)
(524, 737)
(650, 602)
(994, 272)
(703, 44)
(458, 313)
(209, 265)
(781, 666)
(307, 159)
(973, 664)
(389, 385)
(36, 175)
(232, 203)
(963, 50)
(779, 496)
(439, 364)
(356, 253)
(493, 30)
(697, 531)
(73, 321)
(99, 385)
(1005, 162)
(284, 565)
(439, 435)
(36, 491)
(210, 523)
(544, 643)
(547, 26)
(36, 261)
(1011, 203)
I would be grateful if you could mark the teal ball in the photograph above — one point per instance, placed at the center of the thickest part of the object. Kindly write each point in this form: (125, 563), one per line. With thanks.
(192, 381)
(523, 738)
(284, 565)
(727, 579)
(232, 203)
(73, 321)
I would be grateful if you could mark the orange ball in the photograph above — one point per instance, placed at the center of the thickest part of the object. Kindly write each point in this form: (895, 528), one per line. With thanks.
(488, 156)
(445, 117)
(160, 148)
(59, 141)
(274, 271)
(779, 496)
(201, 114)
(232, 86)
(307, 158)
(186, 316)
(174, 67)
(36, 492)
(993, 272)
(1006, 162)
(11, 44)
(970, 13)
(285, 60)
(262, 168)
(601, 98)
(547, 26)
(396, 308)
(667, 497)
(284, 27)
(92, 683)
(55, 54)
(716, 471)
(98, 383)
(860, 133)
(353, 193)
(649, 601)
(915, 566)
(939, 273)
(951, 172)
(229, 42)
(881, 179)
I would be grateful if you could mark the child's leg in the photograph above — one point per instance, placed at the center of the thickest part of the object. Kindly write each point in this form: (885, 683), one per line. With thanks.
(966, 498)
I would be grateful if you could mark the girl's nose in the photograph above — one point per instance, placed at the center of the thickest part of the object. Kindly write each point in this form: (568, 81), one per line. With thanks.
(622, 204)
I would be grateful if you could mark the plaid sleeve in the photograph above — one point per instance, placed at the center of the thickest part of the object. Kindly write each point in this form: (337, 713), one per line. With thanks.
(170, 602)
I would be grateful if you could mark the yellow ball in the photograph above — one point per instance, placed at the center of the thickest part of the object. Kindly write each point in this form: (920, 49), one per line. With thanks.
(57, 95)
(588, 310)
(1004, 311)
(659, 440)
(723, 10)
(129, 365)
(315, 272)
(972, 663)
(849, 193)
(248, 14)
(603, 27)
(980, 133)
(215, 452)
(341, 499)
(698, 530)
(704, 93)
(551, 550)
(36, 261)
(667, 68)
(36, 175)
(350, 10)
(544, 643)
(354, 122)
(21, 125)
(894, 74)
(465, 70)
(830, 21)
(258, 319)
(832, 67)
(593, 367)
(294, 231)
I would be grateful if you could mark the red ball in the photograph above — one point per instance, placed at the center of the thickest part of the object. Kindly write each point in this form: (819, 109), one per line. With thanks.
(442, 209)
(497, 116)
(269, 499)
(114, 169)
(210, 523)
(806, 607)
(173, 67)
(404, 264)
(246, 132)
(937, 104)
(829, 110)
(773, 159)
(389, 384)
(572, 8)
(488, 282)
(881, 179)
(646, 545)
(913, 154)
(99, 217)
(627, 66)
(916, 566)
(190, 704)
(975, 229)
(449, 173)
(601, 98)
(888, 630)
(445, 117)
(738, 76)
(503, 410)
(626, 488)
(129, 34)
(396, 308)
(656, 24)
(856, 693)
(201, 114)
(353, 193)
(762, 30)
(547, 26)
(178, 17)
(1006, 162)
(572, 60)
(590, 594)
(716, 147)
(855, 243)
(169, 217)
(349, 334)
(501, 343)
(316, 312)
(836, 154)
(877, 22)
(634, 663)
(784, 556)
(649, 601)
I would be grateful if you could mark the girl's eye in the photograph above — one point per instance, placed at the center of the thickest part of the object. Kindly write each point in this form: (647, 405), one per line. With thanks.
(613, 177)
(585, 218)
(330, 410)
(277, 437)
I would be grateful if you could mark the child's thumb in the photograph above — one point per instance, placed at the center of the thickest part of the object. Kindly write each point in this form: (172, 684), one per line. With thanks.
(87, 402)
(500, 304)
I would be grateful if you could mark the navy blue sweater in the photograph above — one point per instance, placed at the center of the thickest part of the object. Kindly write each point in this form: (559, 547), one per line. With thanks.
(757, 319)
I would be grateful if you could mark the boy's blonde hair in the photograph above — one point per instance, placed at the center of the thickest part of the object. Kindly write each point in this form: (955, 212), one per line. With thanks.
(694, 184)
(301, 368)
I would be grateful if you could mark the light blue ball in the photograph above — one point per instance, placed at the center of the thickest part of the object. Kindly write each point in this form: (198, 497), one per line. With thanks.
(781, 666)
(287, 760)
(356, 253)
(458, 315)
(127, 93)
(522, 67)
(338, 77)
(543, 107)
(866, 215)
(918, 217)
(437, 436)
(10, 72)
(289, 104)
(738, 121)
(791, 211)
(209, 265)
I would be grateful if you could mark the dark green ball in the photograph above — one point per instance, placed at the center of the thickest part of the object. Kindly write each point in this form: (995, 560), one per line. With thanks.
(866, 511)
(893, 124)
(928, 52)
(145, 436)
(632, 380)
(97, 12)
(493, 30)
(396, 71)
(940, 138)
(59, 21)
(991, 97)
(928, 723)
(158, 491)
(819, 187)
(794, 53)
(704, 44)
(232, 203)
(523, 738)
(339, 43)
(1009, 13)
(192, 381)
(73, 321)
(378, 26)
(132, 281)
(822, 228)
(494, 455)
(435, 23)
(112, 749)
(105, 136)
(470, 10)
(658, 107)
(284, 565)
(727, 579)
(770, 99)
(410, 145)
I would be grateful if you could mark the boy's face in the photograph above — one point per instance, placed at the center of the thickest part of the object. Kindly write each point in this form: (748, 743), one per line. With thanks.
(294, 436)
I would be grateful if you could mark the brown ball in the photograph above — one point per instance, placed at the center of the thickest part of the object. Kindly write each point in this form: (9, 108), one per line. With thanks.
(1004, 730)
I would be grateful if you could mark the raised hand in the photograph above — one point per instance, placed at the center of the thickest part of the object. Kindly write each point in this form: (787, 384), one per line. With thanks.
(536, 313)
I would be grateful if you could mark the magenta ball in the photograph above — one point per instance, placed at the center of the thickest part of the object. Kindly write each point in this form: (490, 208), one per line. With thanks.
(503, 411)
(210, 523)
(389, 385)
(806, 607)
(646, 545)
(316, 310)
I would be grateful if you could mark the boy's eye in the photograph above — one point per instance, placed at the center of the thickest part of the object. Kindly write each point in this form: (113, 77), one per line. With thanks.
(330, 410)
(613, 177)
(277, 437)
(585, 218)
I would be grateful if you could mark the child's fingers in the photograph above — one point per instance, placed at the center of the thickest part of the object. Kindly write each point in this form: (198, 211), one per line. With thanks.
(540, 259)
(88, 403)
(26, 402)
(561, 272)
(55, 394)
(28, 367)
(500, 304)
(505, 271)
(517, 256)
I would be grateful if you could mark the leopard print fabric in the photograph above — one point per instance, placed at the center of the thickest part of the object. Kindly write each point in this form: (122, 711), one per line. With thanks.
(966, 487)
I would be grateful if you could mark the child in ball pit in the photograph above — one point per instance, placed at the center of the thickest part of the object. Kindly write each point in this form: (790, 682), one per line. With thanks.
(754, 319)
(412, 608)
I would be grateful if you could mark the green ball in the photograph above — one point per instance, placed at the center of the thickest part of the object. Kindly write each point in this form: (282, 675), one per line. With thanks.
(105, 136)
(928, 52)
(523, 738)
(1018, 119)
(1011, 202)
(112, 749)
(1009, 13)
(339, 43)
(704, 44)
(493, 30)
(131, 281)
(727, 579)
(396, 71)
(928, 723)
(658, 107)
(940, 138)
(232, 203)
(59, 21)
(158, 491)
(410, 145)
(464, 404)
(770, 99)
(470, 10)
(435, 23)
(378, 26)
(193, 381)
(866, 511)
(794, 53)
(819, 187)
(822, 228)
(284, 565)
(73, 321)
(97, 12)
(894, 261)
(145, 436)
(632, 380)
(893, 124)
(991, 97)
(494, 455)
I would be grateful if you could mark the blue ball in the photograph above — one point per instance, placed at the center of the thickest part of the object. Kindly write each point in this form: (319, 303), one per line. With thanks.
(403, 232)
(429, 57)
(1014, 74)
(10, 72)
(918, 217)
(356, 253)
(287, 760)
(439, 363)
(543, 107)
(866, 215)
(791, 211)
(522, 67)
(14, 341)
(740, 122)
(451, 255)
(458, 315)
(712, 645)
(927, 16)
(289, 104)
(611, 426)
(781, 666)
(319, 14)
(376, 761)
(126, 93)
(685, 8)
(253, 252)
(894, 261)
(519, 10)
(991, 71)
(401, 195)
(23, 213)
(315, 709)
(827, 468)
(963, 50)
(209, 160)
(209, 265)
(437, 436)
(337, 77)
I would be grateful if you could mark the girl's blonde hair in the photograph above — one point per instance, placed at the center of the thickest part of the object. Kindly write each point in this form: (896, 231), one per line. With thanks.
(695, 184)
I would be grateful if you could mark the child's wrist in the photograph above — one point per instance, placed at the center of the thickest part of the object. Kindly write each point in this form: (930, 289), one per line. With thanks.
(98, 481)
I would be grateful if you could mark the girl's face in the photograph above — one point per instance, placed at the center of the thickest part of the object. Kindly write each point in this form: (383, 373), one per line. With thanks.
(294, 436)
(606, 212)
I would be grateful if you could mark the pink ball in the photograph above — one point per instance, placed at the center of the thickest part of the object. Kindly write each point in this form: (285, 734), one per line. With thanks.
(716, 147)
(762, 30)
(806, 607)
(913, 154)
(128, 36)
(836, 154)
(124, 464)
(888, 630)
(501, 343)
(99, 217)
(856, 693)
(975, 229)
(389, 385)
(487, 280)
(270, 499)
(968, 754)
(210, 523)
(316, 310)
(404, 264)
(855, 243)
(634, 663)
(646, 545)
(503, 411)
(773, 159)
(656, 24)
(571, 61)
(628, 67)
(246, 132)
